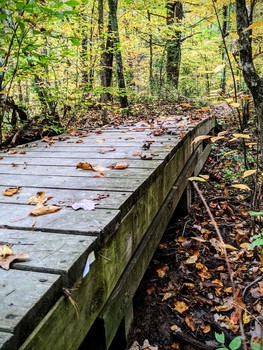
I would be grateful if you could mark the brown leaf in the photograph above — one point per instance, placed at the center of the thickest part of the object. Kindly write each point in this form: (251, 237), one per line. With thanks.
(99, 175)
(106, 150)
(5, 262)
(23, 152)
(162, 271)
(79, 141)
(9, 192)
(43, 210)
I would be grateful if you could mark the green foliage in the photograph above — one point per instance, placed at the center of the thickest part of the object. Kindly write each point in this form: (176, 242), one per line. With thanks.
(233, 345)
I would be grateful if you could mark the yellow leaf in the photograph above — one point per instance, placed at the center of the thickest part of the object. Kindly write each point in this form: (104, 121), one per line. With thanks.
(228, 246)
(241, 136)
(254, 25)
(221, 133)
(230, 152)
(249, 172)
(167, 296)
(5, 251)
(234, 104)
(206, 177)
(246, 318)
(219, 68)
(241, 187)
(192, 259)
(196, 178)
(38, 198)
(216, 138)
(11, 191)
(43, 210)
(201, 138)
(84, 166)
(174, 328)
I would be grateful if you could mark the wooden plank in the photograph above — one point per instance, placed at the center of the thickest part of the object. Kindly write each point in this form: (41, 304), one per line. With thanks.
(67, 182)
(59, 254)
(72, 171)
(72, 162)
(25, 299)
(100, 222)
(106, 200)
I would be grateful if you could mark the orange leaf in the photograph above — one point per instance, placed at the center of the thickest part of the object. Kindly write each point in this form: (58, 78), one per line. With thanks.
(205, 328)
(12, 151)
(189, 321)
(23, 152)
(43, 210)
(99, 175)
(11, 191)
(181, 307)
(120, 166)
(84, 166)
(79, 141)
(162, 271)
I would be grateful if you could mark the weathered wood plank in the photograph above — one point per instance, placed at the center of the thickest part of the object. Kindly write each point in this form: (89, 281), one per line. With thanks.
(59, 254)
(105, 200)
(72, 171)
(72, 162)
(25, 296)
(100, 222)
(67, 182)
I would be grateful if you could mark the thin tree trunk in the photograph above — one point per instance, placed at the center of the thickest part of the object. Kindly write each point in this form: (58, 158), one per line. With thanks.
(224, 56)
(174, 15)
(113, 20)
(252, 79)
(151, 55)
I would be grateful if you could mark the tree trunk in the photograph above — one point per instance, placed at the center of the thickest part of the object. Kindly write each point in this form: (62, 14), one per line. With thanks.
(224, 56)
(106, 59)
(113, 20)
(252, 79)
(174, 15)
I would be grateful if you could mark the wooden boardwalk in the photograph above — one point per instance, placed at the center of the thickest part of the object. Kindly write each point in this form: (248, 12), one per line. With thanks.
(84, 266)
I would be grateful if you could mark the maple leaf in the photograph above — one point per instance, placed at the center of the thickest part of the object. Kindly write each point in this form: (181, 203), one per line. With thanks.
(9, 192)
(43, 210)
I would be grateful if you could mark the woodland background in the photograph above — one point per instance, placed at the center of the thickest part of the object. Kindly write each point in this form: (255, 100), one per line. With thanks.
(60, 59)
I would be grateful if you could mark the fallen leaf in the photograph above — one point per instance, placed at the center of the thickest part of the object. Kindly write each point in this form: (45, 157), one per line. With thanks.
(22, 152)
(5, 262)
(9, 192)
(106, 150)
(162, 271)
(242, 136)
(100, 168)
(201, 138)
(191, 260)
(190, 323)
(241, 187)
(205, 328)
(174, 328)
(86, 204)
(181, 306)
(84, 166)
(167, 296)
(196, 178)
(38, 198)
(43, 210)
(5, 250)
(14, 165)
(249, 172)
(119, 166)
(12, 151)
(99, 175)
(79, 141)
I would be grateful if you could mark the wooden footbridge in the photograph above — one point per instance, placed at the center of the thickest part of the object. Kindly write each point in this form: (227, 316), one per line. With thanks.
(84, 266)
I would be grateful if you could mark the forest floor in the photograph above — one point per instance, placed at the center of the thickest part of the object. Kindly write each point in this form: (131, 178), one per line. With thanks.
(187, 295)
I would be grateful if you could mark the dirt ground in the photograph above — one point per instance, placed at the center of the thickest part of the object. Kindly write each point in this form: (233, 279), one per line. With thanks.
(187, 295)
